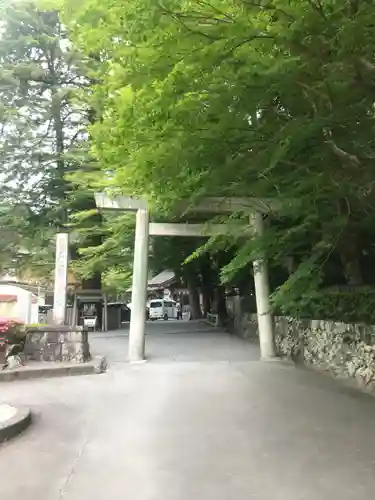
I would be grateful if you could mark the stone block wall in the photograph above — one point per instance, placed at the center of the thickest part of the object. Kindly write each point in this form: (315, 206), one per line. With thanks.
(57, 343)
(243, 324)
(344, 350)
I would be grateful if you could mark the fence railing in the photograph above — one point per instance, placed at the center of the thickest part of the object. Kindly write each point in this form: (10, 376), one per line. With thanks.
(212, 319)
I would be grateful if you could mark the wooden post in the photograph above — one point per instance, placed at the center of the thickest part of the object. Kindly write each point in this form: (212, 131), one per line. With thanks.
(105, 314)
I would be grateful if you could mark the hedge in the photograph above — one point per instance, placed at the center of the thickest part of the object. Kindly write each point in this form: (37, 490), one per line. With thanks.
(354, 305)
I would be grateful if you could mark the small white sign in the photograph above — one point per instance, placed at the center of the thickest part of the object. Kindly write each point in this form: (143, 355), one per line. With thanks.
(89, 322)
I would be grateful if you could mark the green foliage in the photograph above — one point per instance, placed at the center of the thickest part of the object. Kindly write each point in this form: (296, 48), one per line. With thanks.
(23, 246)
(112, 256)
(255, 99)
(43, 145)
(272, 100)
(117, 279)
(39, 73)
(348, 306)
(38, 120)
(300, 288)
(171, 253)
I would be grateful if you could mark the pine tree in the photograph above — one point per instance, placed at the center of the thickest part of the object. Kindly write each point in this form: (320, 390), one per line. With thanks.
(44, 121)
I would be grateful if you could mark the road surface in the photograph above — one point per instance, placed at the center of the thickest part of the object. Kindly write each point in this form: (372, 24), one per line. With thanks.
(203, 419)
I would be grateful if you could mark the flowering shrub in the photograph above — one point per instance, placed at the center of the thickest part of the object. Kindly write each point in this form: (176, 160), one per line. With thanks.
(12, 330)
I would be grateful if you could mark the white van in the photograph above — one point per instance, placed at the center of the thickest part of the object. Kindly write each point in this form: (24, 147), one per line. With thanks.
(162, 309)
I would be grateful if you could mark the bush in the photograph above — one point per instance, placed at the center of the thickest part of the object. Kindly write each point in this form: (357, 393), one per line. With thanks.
(347, 304)
(13, 330)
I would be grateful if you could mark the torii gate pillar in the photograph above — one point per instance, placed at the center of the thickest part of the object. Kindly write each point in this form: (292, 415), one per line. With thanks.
(262, 296)
(139, 288)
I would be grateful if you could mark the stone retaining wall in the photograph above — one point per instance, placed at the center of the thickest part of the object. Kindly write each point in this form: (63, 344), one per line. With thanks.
(245, 326)
(57, 343)
(344, 350)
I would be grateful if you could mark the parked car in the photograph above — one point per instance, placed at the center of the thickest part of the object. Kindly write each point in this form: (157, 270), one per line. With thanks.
(163, 309)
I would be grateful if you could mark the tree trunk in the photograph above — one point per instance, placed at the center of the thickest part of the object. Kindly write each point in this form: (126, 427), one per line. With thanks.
(192, 285)
(219, 303)
(92, 283)
(206, 301)
(349, 249)
(350, 259)
(222, 305)
(207, 288)
(290, 265)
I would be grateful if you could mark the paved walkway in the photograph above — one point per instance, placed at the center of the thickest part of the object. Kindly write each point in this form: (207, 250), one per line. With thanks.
(202, 420)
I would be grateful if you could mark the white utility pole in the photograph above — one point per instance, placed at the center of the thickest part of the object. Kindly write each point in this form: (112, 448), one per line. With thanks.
(139, 288)
(262, 295)
(61, 278)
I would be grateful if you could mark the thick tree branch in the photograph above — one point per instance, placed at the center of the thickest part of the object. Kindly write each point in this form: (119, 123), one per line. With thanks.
(369, 66)
(353, 6)
(193, 31)
(340, 153)
(269, 6)
(318, 7)
(328, 135)
(216, 9)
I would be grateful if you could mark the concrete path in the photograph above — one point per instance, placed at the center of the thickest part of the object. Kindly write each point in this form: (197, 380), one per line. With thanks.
(202, 420)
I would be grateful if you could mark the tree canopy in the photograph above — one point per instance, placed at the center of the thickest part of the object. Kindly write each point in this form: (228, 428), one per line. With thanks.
(41, 122)
(272, 100)
(180, 100)
(44, 140)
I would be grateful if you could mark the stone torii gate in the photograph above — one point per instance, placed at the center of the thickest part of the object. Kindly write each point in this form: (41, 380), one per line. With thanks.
(145, 228)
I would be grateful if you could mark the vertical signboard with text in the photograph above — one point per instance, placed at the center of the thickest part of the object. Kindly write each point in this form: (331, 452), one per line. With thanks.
(61, 278)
